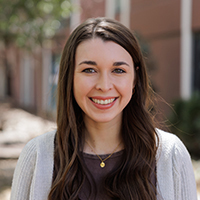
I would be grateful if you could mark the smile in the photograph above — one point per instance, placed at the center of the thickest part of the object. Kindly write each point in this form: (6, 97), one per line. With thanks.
(103, 102)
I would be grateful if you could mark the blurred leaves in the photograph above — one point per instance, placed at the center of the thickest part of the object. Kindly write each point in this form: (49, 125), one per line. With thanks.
(186, 123)
(28, 22)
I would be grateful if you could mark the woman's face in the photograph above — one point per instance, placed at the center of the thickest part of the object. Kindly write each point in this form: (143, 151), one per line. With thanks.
(103, 79)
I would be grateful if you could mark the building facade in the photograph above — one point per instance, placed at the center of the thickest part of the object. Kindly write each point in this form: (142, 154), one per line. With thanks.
(171, 29)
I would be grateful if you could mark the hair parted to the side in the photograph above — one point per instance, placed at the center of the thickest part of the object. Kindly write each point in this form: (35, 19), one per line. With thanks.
(131, 180)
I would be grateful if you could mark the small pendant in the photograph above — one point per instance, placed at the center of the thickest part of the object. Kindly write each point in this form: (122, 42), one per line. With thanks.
(102, 165)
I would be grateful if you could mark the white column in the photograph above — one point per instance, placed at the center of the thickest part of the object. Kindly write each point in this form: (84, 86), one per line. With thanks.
(186, 49)
(110, 9)
(125, 6)
(75, 17)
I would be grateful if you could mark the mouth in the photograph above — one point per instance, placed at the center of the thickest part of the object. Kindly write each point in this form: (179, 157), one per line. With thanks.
(103, 102)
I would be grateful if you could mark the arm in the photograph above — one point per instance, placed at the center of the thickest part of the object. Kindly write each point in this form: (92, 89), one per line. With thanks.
(184, 180)
(24, 172)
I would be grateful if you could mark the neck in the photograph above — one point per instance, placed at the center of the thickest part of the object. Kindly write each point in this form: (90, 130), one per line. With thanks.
(102, 137)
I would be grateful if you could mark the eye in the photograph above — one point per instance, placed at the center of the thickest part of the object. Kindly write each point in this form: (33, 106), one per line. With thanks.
(118, 71)
(89, 70)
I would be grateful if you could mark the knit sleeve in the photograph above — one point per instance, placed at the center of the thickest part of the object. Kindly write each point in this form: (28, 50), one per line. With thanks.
(184, 180)
(24, 172)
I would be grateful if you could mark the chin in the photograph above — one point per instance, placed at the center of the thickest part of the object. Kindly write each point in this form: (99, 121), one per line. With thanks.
(104, 119)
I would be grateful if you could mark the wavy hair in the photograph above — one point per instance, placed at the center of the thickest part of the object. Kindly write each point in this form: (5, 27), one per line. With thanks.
(132, 179)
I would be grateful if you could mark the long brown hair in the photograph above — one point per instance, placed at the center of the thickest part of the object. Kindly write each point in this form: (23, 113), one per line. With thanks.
(132, 178)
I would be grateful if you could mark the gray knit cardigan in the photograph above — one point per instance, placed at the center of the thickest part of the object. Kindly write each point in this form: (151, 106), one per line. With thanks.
(33, 174)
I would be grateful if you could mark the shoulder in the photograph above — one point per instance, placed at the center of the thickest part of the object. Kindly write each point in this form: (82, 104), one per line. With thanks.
(30, 178)
(170, 143)
(46, 139)
(171, 150)
(174, 168)
(44, 142)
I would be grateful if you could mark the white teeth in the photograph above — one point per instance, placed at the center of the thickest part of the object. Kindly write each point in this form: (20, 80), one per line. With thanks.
(103, 102)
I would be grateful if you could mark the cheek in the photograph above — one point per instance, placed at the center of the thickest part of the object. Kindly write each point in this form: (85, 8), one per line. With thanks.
(76, 89)
(127, 86)
(126, 91)
(81, 88)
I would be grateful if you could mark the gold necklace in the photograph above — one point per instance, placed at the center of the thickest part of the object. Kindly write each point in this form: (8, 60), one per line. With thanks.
(102, 164)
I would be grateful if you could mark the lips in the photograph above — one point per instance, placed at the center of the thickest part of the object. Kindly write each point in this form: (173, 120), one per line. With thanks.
(103, 102)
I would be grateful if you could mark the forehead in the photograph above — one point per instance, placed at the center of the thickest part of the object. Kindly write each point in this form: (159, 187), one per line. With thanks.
(96, 47)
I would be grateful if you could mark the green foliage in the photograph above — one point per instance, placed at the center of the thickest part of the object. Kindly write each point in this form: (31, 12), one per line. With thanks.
(27, 22)
(186, 123)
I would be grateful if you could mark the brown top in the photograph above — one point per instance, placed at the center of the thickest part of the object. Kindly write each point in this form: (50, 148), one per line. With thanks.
(96, 174)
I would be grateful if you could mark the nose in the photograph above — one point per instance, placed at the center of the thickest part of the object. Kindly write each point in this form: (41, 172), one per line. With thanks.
(104, 83)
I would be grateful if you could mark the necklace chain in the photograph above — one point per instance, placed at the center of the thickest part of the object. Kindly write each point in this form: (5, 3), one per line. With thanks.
(102, 164)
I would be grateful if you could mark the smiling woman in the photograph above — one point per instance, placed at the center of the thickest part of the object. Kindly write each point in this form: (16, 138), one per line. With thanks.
(106, 145)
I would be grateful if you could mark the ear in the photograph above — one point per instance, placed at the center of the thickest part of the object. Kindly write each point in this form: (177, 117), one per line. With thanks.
(133, 91)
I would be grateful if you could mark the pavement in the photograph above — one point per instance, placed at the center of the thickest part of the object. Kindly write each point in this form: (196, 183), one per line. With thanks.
(17, 127)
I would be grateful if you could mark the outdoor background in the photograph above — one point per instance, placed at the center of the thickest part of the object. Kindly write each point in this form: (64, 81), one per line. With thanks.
(32, 36)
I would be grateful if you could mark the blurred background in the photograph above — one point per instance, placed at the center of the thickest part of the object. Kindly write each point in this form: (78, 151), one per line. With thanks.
(32, 36)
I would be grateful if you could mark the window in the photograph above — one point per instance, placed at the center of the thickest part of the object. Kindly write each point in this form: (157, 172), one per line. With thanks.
(53, 79)
(196, 69)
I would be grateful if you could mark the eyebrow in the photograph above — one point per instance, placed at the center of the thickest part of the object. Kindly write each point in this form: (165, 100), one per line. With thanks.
(120, 63)
(89, 62)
